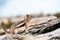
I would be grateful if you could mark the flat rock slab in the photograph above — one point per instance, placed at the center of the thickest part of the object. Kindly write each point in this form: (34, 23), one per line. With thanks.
(44, 31)
(54, 35)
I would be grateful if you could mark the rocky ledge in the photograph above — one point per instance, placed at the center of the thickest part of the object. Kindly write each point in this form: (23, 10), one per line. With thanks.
(45, 31)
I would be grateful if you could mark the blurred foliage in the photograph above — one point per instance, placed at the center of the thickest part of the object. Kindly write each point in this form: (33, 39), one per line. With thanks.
(9, 23)
(6, 26)
(57, 15)
(18, 16)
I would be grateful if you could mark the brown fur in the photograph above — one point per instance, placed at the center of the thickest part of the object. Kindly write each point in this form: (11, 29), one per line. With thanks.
(27, 22)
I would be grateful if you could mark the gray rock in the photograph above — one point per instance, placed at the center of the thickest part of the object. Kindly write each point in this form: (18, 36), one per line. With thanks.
(54, 35)
(12, 37)
(45, 31)
(44, 28)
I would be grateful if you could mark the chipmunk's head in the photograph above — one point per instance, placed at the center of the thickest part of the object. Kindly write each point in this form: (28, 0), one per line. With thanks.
(27, 18)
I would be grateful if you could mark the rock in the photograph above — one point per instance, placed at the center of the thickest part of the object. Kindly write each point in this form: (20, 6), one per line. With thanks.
(19, 30)
(44, 28)
(12, 37)
(47, 36)
(36, 25)
(41, 20)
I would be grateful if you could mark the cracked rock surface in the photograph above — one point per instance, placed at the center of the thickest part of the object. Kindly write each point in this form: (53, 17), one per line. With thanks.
(44, 31)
